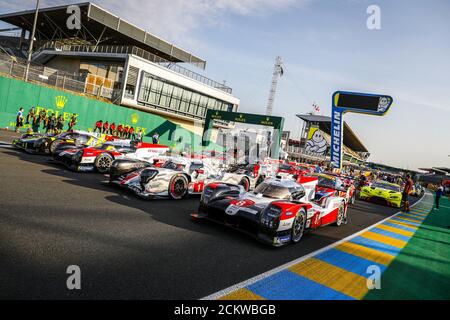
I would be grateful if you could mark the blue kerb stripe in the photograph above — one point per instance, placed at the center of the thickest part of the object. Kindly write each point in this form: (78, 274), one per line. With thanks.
(376, 245)
(415, 216)
(348, 261)
(419, 220)
(390, 234)
(286, 285)
(387, 223)
(406, 221)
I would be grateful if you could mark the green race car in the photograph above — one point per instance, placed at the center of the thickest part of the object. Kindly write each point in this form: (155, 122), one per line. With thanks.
(382, 192)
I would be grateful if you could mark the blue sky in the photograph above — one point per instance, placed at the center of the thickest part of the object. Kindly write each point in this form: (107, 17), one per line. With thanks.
(325, 46)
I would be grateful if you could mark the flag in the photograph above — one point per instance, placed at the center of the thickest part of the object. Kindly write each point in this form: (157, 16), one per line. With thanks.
(316, 108)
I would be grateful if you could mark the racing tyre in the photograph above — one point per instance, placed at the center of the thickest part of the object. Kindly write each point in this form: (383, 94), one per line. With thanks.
(245, 182)
(298, 226)
(341, 216)
(178, 187)
(103, 162)
(53, 145)
(259, 180)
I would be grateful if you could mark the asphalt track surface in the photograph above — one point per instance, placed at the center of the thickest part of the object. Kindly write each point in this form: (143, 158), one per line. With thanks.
(126, 248)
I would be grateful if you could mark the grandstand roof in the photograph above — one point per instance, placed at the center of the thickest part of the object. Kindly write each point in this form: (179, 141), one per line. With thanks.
(350, 138)
(98, 24)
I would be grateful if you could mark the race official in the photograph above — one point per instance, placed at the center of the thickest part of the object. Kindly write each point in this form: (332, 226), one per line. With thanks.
(105, 127)
(439, 194)
(406, 191)
(112, 129)
(98, 126)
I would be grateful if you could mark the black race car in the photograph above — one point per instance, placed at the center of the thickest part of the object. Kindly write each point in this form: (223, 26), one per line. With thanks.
(47, 143)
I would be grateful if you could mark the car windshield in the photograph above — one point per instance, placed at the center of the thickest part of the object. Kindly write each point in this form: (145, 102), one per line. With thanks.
(83, 139)
(386, 186)
(272, 191)
(286, 167)
(326, 182)
(195, 166)
(173, 165)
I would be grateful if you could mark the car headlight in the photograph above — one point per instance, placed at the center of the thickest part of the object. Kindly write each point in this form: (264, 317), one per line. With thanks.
(270, 217)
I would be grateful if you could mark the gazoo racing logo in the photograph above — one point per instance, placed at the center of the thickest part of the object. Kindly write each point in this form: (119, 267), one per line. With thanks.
(337, 136)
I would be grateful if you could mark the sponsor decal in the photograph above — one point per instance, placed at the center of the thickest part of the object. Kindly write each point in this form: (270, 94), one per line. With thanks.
(60, 101)
(284, 238)
(232, 210)
(336, 142)
(267, 122)
(134, 118)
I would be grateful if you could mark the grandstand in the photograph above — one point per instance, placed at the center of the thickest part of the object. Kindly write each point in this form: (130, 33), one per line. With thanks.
(314, 143)
(114, 59)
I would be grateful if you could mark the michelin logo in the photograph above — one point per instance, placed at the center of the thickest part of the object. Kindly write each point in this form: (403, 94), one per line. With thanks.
(383, 104)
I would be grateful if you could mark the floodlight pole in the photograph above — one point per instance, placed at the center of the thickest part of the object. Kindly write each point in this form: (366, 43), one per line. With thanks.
(30, 49)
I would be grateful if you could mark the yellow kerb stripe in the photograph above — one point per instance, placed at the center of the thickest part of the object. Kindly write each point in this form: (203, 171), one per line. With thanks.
(384, 239)
(341, 280)
(241, 294)
(395, 230)
(366, 253)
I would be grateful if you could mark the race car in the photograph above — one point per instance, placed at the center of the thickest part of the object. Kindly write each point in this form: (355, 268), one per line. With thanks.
(88, 159)
(247, 175)
(382, 192)
(34, 143)
(175, 178)
(276, 211)
(417, 190)
(329, 184)
(47, 143)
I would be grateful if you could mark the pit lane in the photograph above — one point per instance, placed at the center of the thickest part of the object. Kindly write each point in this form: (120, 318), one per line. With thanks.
(127, 248)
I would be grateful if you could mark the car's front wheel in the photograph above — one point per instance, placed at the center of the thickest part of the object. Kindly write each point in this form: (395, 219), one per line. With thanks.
(341, 216)
(245, 182)
(178, 187)
(53, 145)
(103, 162)
(298, 226)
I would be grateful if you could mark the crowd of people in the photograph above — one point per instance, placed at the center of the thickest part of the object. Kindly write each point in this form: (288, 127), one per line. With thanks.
(51, 123)
(121, 131)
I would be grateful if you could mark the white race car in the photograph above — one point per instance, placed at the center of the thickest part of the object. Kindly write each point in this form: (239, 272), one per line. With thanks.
(175, 178)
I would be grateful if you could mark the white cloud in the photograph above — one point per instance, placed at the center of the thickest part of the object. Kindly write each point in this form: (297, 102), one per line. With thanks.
(175, 20)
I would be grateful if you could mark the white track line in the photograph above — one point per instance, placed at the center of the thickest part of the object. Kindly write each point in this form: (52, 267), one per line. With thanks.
(250, 281)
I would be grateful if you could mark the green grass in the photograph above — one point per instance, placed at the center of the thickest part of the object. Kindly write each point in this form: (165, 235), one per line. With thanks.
(422, 269)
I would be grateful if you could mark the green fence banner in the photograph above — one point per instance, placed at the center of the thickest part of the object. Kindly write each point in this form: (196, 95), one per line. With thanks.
(16, 93)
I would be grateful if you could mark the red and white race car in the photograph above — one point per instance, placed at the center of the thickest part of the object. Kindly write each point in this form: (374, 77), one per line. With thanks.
(332, 185)
(171, 177)
(277, 211)
(100, 158)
